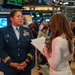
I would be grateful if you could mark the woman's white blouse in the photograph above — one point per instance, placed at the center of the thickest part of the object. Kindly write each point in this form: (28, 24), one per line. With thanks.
(59, 60)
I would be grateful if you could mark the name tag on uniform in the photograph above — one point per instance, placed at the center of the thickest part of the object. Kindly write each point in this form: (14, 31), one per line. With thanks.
(7, 35)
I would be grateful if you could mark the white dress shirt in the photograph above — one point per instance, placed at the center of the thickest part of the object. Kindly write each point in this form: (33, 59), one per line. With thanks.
(16, 31)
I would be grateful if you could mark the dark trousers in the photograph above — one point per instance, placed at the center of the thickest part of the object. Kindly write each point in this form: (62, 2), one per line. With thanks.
(12, 71)
(17, 72)
(43, 59)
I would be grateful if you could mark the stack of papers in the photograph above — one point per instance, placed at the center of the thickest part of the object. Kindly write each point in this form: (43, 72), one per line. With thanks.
(39, 43)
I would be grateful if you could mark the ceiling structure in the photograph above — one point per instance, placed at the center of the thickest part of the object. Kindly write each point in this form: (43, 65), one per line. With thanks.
(61, 3)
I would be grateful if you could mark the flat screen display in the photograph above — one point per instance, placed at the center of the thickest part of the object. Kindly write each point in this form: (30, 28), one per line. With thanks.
(3, 22)
(37, 19)
(69, 17)
(34, 2)
(13, 3)
(47, 19)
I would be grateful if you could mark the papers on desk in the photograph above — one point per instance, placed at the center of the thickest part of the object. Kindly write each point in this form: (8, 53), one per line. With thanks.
(39, 43)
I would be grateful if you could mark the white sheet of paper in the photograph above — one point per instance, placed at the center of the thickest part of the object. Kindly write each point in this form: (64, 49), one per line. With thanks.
(39, 43)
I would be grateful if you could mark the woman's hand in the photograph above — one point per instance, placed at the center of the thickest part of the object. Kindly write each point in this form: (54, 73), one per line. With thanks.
(45, 52)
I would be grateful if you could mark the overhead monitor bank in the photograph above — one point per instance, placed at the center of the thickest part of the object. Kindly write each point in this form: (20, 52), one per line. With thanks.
(14, 2)
(21, 3)
(35, 15)
(38, 15)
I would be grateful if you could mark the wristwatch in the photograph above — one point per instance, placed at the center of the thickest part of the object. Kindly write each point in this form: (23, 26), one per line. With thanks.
(27, 61)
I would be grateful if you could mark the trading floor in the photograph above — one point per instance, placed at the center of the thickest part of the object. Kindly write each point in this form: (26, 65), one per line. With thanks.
(73, 67)
(44, 71)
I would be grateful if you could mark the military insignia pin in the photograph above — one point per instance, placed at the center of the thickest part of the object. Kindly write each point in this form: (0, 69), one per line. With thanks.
(25, 33)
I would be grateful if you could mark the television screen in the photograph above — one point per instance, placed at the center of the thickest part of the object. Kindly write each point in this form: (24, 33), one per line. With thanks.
(37, 14)
(34, 14)
(26, 12)
(69, 17)
(47, 19)
(37, 19)
(13, 3)
(34, 2)
(3, 22)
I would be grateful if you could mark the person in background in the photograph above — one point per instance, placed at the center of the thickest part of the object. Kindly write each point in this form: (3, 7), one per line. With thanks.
(24, 23)
(49, 31)
(42, 59)
(73, 30)
(43, 32)
(42, 22)
(35, 29)
(61, 46)
(16, 50)
(72, 25)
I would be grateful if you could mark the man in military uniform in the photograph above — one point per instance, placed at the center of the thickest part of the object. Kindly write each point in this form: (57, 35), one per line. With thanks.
(16, 51)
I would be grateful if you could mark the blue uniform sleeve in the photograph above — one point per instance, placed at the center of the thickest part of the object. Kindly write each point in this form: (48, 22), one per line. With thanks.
(31, 52)
(3, 55)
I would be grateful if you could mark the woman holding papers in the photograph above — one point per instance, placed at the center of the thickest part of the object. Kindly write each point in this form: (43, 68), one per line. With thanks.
(60, 49)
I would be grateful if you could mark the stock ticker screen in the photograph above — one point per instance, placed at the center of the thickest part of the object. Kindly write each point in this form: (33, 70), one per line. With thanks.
(34, 2)
(3, 22)
(20, 3)
(13, 3)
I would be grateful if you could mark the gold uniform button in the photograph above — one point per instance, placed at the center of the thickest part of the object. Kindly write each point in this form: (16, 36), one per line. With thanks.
(18, 54)
(7, 41)
(18, 43)
(18, 48)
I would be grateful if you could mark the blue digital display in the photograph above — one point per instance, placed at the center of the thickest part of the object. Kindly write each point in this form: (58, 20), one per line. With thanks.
(38, 19)
(3, 22)
(34, 2)
(14, 2)
(26, 13)
(41, 1)
(47, 19)
(70, 17)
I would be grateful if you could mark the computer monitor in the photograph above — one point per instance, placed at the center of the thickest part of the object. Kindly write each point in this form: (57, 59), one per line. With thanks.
(47, 19)
(3, 22)
(13, 3)
(69, 17)
(37, 19)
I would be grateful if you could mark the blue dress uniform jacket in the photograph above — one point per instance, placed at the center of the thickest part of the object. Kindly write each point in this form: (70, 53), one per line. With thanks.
(14, 50)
